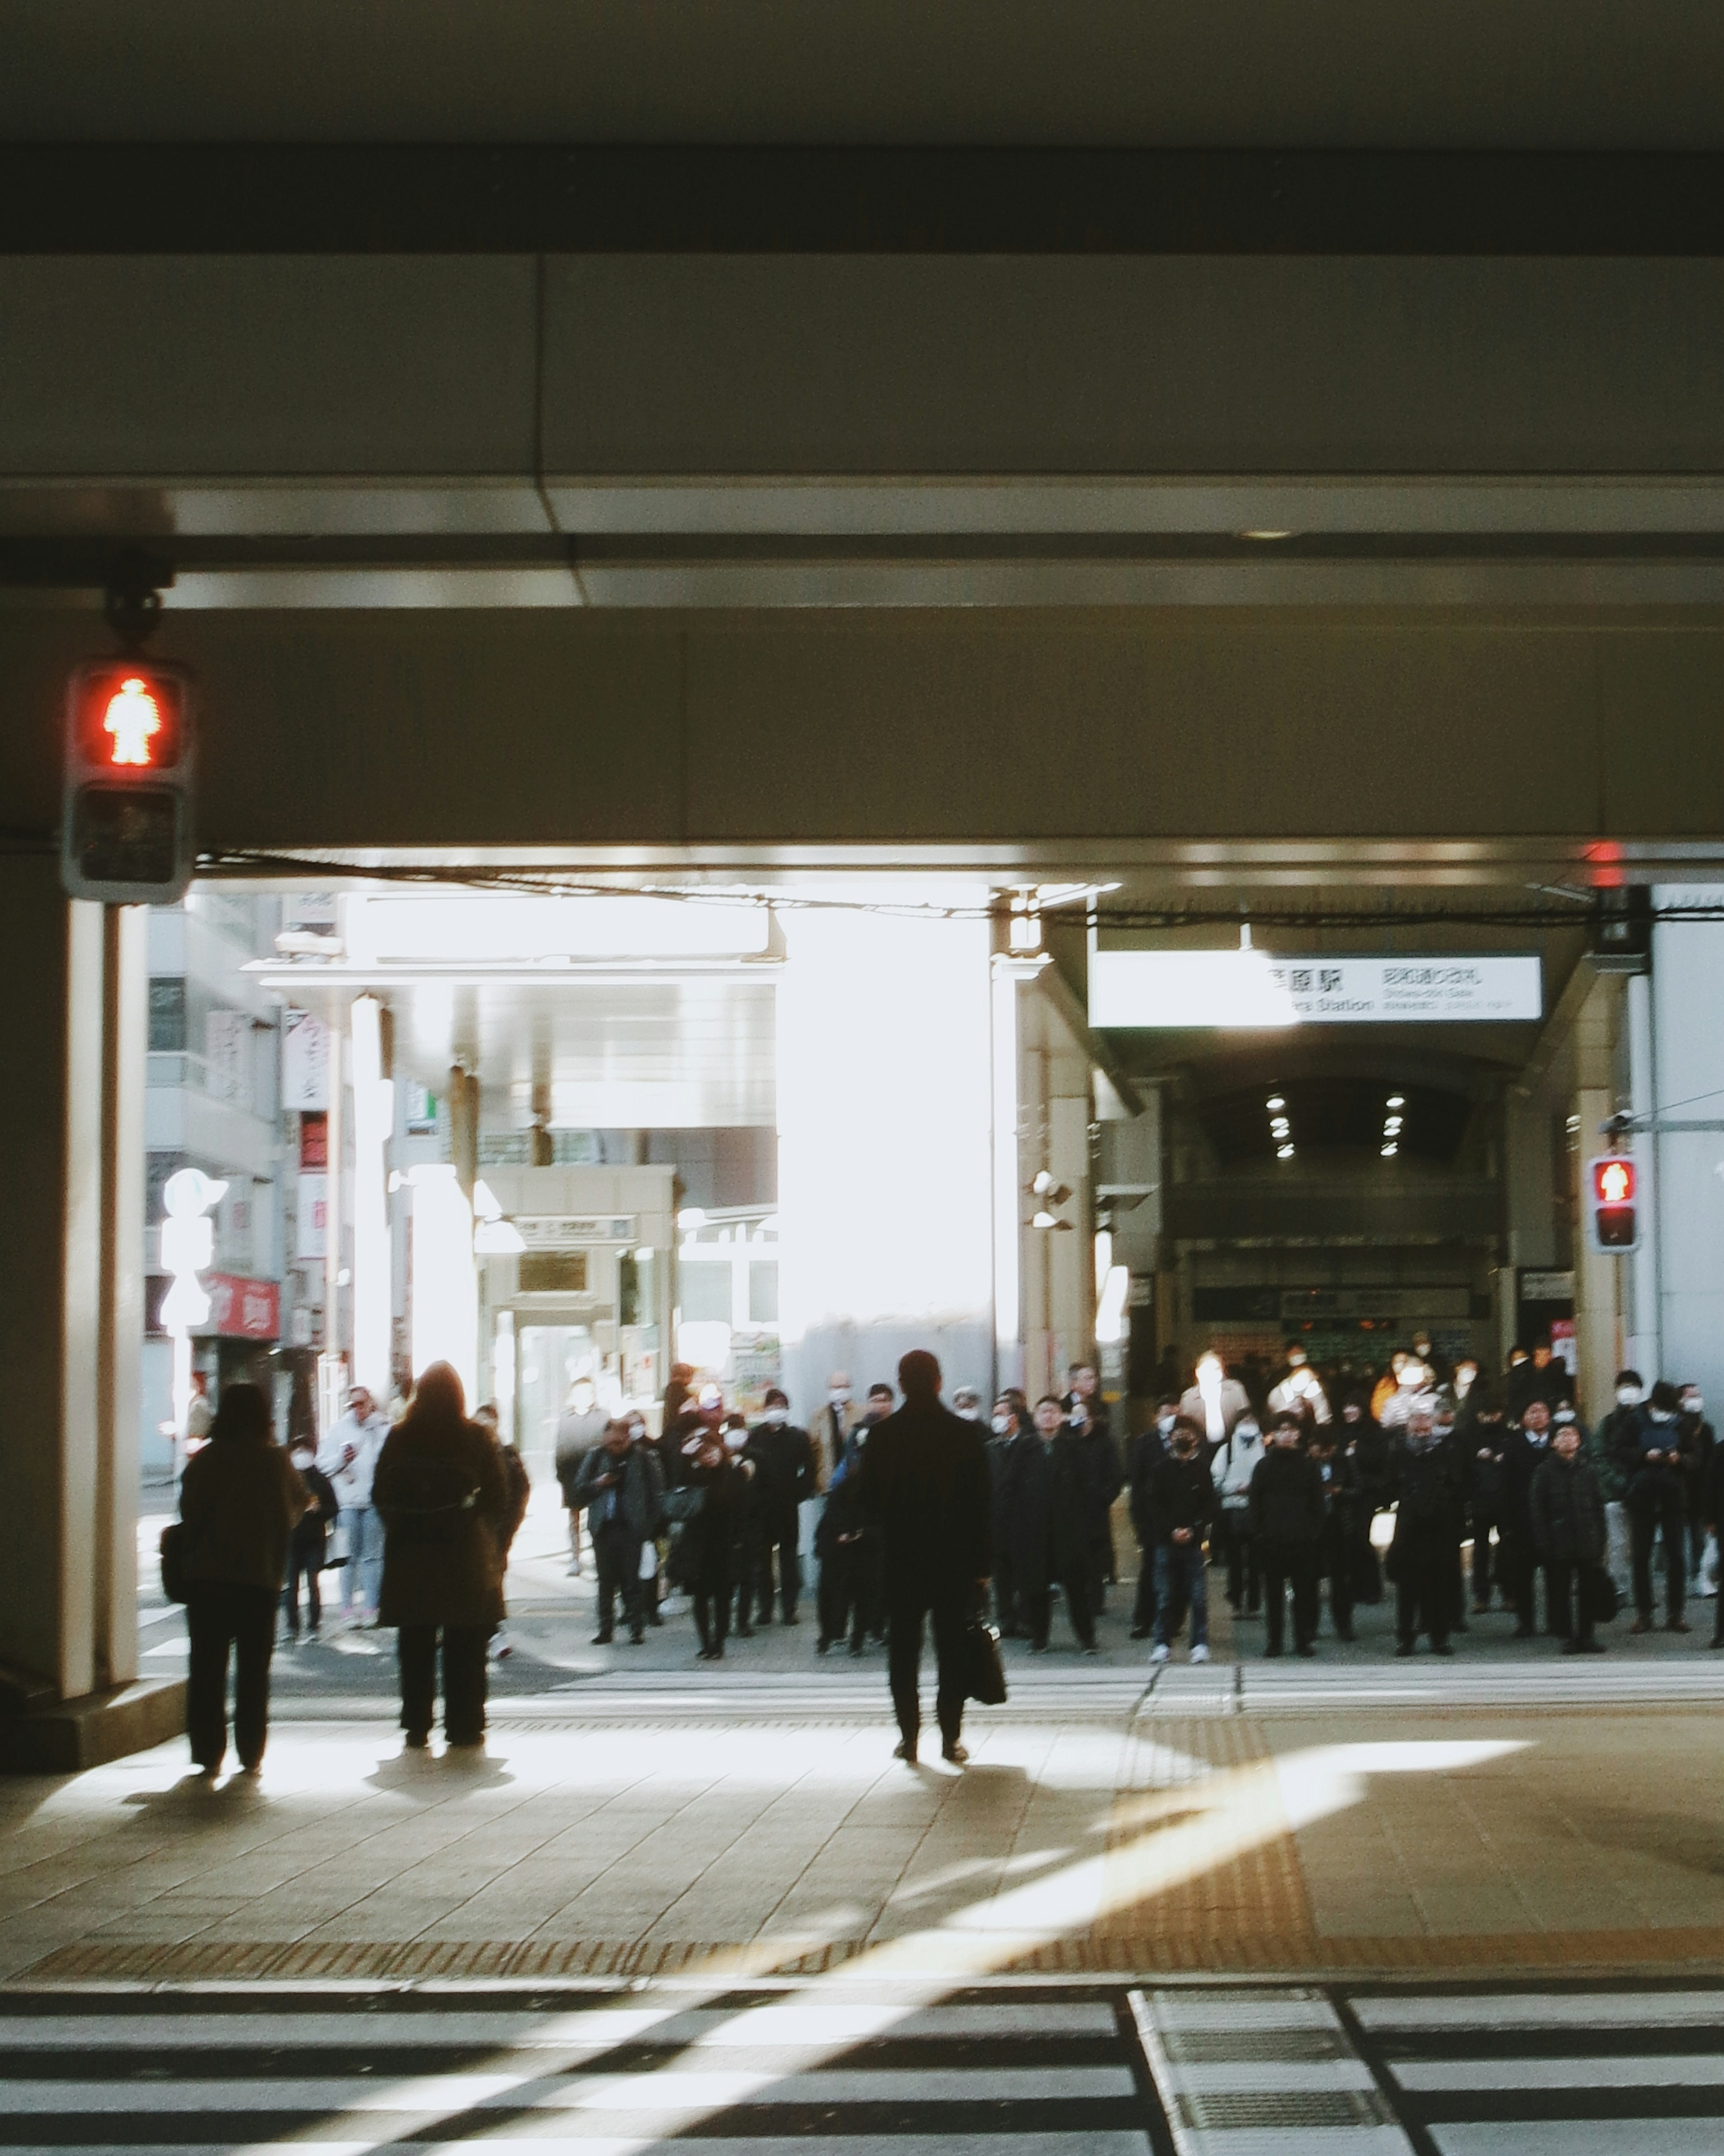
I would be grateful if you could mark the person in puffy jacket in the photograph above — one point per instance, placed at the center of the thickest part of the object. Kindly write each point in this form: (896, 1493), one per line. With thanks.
(240, 1500)
(444, 1498)
(1231, 1465)
(1569, 1528)
(1288, 1517)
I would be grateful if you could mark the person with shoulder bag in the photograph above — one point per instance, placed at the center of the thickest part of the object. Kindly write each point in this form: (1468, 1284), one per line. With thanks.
(443, 1495)
(240, 1500)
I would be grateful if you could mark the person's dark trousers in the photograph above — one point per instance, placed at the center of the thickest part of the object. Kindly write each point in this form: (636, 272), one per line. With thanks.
(222, 1619)
(1337, 1558)
(842, 1596)
(1423, 1594)
(905, 1611)
(782, 1536)
(1039, 1606)
(712, 1614)
(1103, 1569)
(1643, 1521)
(1565, 1600)
(1284, 1565)
(464, 1679)
(297, 1566)
(1181, 1584)
(617, 1554)
(1245, 1584)
(1517, 1574)
(1487, 1565)
(1143, 1609)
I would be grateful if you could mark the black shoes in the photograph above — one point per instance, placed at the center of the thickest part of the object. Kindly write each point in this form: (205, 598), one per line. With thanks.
(1306, 1651)
(1404, 1649)
(904, 1750)
(954, 1753)
(1441, 1647)
(822, 1646)
(602, 1639)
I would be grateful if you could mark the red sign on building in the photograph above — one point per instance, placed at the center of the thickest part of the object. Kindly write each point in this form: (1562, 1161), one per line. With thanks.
(243, 1309)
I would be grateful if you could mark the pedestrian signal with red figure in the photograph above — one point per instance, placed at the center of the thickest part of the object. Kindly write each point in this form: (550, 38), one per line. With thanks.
(1610, 1204)
(126, 825)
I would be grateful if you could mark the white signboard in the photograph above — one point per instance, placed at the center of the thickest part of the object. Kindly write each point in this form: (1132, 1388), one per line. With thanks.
(304, 1062)
(1155, 988)
(313, 1239)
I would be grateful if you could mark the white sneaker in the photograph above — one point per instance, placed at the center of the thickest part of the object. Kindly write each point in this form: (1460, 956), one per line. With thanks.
(1200, 1653)
(1160, 1652)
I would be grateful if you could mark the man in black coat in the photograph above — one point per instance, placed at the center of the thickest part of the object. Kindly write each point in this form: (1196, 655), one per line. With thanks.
(1650, 1455)
(1047, 1522)
(1425, 1483)
(1346, 1516)
(1524, 1448)
(1569, 1528)
(924, 1491)
(1011, 1420)
(1288, 1517)
(783, 1458)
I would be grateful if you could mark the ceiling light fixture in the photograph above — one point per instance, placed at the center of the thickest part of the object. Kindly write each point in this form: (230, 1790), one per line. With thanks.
(1284, 1152)
(1390, 1150)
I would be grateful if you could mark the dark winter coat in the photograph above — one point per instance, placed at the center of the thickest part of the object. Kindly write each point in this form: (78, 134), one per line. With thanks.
(1104, 1478)
(310, 1541)
(1649, 1483)
(1048, 1510)
(1287, 1506)
(1348, 1509)
(783, 1459)
(1426, 1483)
(635, 1481)
(1481, 1446)
(1181, 1494)
(240, 1499)
(1143, 1455)
(842, 1518)
(707, 1553)
(444, 1497)
(924, 1481)
(1569, 1511)
(1608, 1450)
(1522, 1455)
(520, 1486)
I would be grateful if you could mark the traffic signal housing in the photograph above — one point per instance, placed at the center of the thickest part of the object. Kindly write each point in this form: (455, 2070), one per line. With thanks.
(126, 820)
(1611, 1212)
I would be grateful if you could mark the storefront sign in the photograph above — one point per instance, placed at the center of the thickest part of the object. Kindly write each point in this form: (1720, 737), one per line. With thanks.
(305, 1061)
(313, 1216)
(243, 1309)
(1176, 988)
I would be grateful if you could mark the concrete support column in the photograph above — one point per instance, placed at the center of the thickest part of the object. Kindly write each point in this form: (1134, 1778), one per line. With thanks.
(71, 1075)
(1599, 1278)
(1682, 1082)
(884, 1165)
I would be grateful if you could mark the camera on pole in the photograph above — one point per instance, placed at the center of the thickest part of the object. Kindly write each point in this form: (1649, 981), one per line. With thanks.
(126, 820)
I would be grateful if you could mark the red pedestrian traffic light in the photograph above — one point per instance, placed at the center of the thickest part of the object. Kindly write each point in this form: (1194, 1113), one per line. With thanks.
(125, 832)
(1611, 1205)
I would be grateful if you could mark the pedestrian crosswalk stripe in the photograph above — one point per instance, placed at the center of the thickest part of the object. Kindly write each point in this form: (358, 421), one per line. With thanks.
(1544, 2009)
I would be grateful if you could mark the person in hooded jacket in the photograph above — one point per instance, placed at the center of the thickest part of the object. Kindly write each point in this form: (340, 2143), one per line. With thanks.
(444, 1495)
(1183, 1500)
(1569, 1528)
(783, 1457)
(1231, 1465)
(1143, 1455)
(1288, 1517)
(1049, 1515)
(1427, 1485)
(240, 1500)
(1650, 1455)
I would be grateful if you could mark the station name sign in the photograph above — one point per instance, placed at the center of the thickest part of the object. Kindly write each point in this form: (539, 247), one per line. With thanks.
(1176, 988)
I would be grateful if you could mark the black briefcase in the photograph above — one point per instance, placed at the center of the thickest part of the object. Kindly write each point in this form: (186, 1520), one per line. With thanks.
(984, 1672)
(1599, 1597)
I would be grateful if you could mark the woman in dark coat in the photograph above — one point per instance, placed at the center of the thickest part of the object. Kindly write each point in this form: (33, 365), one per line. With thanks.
(1049, 1512)
(445, 1499)
(709, 1544)
(240, 1500)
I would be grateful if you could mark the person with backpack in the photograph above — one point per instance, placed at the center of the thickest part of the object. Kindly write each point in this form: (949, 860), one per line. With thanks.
(240, 1500)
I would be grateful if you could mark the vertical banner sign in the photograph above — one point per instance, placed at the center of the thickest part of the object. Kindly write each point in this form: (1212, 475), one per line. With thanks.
(304, 1062)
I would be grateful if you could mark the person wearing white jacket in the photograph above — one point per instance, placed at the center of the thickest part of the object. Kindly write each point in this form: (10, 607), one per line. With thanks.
(1231, 1467)
(348, 1457)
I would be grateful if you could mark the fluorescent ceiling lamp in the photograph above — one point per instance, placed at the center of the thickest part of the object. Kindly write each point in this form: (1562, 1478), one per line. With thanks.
(1187, 988)
(1110, 1310)
(494, 1238)
(1284, 1152)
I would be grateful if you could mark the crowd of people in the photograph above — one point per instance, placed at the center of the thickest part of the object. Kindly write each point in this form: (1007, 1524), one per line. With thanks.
(1275, 1479)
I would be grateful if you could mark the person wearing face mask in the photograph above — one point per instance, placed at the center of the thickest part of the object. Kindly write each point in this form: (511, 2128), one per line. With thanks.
(838, 1417)
(1232, 1465)
(1524, 1446)
(709, 1540)
(579, 1428)
(1046, 1512)
(1183, 1498)
(308, 1545)
(1363, 1451)
(1651, 1458)
(1103, 1479)
(1299, 1392)
(622, 1492)
(1145, 1454)
(967, 1403)
(1425, 1484)
(1010, 1420)
(1568, 1529)
(783, 1459)
(1696, 1439)
(1288, 1515)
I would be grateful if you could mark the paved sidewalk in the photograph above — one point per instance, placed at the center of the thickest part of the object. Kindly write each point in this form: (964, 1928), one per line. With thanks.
(1267, 1819)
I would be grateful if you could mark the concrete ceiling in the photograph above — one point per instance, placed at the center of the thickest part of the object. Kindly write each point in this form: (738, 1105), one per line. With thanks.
(1455, 74)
